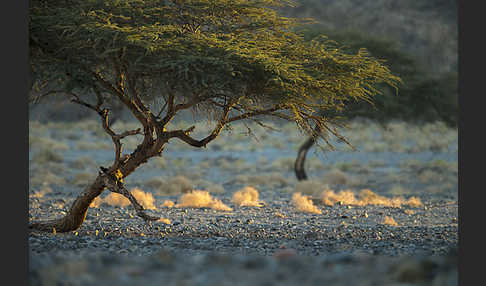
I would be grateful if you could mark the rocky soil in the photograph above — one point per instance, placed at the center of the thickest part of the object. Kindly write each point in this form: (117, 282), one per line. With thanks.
(274, 243)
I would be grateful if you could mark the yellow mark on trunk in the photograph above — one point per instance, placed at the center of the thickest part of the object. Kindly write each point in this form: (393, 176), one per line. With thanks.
(119, 175)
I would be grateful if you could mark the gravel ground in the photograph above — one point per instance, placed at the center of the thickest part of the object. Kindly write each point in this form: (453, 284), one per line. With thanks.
(269, 245)
(274, 244)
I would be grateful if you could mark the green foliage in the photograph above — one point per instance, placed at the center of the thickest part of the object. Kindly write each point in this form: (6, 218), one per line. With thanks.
(422, 96)
(210, 55)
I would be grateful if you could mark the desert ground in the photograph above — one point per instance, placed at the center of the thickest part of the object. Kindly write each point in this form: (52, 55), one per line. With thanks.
(385, 213)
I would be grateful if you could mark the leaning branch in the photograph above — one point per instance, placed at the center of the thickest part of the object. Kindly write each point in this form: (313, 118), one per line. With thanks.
(103, 113)
(116, 186)
(184, 134)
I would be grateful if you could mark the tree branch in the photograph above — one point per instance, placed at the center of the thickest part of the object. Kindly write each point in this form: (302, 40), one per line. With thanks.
(103, 113)
(116, 186)
(184, 134)
(249, 114)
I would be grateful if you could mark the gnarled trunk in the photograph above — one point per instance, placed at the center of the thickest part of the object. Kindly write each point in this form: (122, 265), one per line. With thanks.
(77, 213)
(106, 179)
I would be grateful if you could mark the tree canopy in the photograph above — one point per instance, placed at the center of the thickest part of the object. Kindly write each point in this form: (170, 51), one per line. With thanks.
(227, 60)
(206, 56)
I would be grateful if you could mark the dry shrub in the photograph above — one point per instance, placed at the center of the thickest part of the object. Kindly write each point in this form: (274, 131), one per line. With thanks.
(310, 187)
(46, 178)
(304, 204)
(429, 176)
(366, 197)
(414, 202)
(145, 199)
(81, 179)
(82, 162)
(336, 177)
(47, 155)
(96, 203)
(164, 220)
(398, 191)
(46, 143)
(167, 204)
(41, 192)
(114, 199)
(248, 196)
(175, 185)
(209, 186)
(270, 180)
(201, 199)
(389, 221)
(100, 145)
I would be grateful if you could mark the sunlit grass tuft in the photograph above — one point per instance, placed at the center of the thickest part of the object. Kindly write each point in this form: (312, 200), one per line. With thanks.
(248, 196)
(388, 220)
(201, 199)
(365, 197)
(304, 204)
(114, 199)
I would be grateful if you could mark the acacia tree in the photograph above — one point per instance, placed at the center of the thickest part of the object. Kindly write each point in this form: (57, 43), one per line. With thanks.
(226, 60)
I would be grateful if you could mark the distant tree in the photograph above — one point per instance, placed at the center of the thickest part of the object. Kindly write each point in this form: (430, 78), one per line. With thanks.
(226, 60)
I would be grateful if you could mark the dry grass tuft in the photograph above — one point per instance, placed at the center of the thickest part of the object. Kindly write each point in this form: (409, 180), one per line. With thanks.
(366, 197)
(41, 192)
(304, 204)
(201, 199)
(164, 220)
(248, 196)
(167, 204)
(389, 221)
(114, 199)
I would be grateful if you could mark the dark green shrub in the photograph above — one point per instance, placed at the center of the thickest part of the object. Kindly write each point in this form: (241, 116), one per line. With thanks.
(421, 97)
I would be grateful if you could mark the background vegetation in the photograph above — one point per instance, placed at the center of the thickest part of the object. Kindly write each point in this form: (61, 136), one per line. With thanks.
(416, 38)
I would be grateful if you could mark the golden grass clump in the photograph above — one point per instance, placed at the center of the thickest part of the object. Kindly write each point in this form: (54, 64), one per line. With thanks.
(145, 199)
(164, 220)
(201, 199)
(389, 221)
(167, 203)
(366, 197)
(304, 204)
(41, 192)
(248, 196)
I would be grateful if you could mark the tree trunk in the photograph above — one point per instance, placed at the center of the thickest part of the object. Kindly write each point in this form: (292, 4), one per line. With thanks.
(300, 161)
(77, 214)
